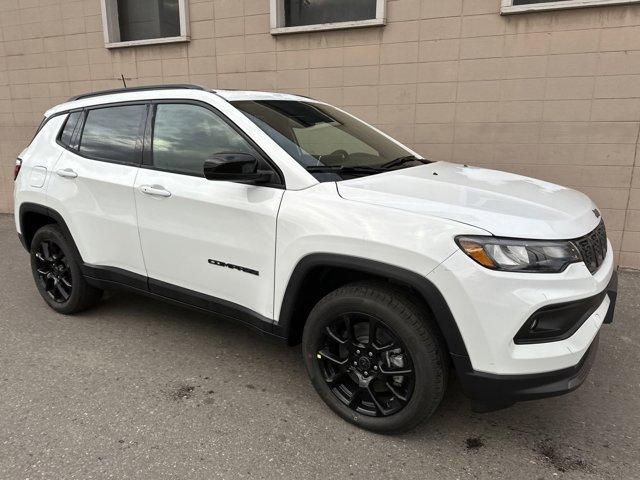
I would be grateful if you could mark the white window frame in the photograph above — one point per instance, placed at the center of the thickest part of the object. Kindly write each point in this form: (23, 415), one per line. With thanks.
(278, 28)
(111, 27)
(508, 7)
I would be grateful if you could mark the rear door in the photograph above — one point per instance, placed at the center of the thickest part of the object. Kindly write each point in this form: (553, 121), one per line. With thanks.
(92, 184)
(204, 238)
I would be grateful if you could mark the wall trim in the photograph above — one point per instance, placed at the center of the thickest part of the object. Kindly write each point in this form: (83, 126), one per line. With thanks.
(508, 8)
(277, 20)
(111, 28)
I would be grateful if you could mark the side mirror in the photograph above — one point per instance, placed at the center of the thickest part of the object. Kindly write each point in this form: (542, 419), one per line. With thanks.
(239, 167)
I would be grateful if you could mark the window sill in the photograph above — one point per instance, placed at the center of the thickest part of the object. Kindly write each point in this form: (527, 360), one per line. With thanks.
(148, 41)
(560, 5)
(330, 26)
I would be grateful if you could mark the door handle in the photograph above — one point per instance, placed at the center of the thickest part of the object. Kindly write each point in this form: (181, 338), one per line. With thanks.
(155, 190)
(67, 173)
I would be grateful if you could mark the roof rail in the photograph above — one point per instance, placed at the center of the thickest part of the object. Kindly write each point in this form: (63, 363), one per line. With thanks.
(138, 89)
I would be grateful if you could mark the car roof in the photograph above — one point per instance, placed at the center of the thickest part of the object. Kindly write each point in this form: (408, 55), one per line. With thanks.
(166, 91)
(239, 95)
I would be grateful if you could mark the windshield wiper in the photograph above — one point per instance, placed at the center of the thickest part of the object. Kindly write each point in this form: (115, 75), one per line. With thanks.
(343, 169)
(401, 161)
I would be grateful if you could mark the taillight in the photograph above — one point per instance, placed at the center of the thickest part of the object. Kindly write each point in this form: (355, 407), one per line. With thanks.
(16, 169)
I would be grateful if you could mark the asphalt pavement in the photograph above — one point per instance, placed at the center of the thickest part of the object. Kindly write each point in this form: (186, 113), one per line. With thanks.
(136, 388)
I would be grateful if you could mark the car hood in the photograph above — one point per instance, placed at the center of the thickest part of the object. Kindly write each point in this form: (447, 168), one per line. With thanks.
(501, 203)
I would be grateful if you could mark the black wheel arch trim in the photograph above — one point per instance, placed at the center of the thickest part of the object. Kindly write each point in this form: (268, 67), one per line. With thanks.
(23, 242)
(425, 288)
(56, 218)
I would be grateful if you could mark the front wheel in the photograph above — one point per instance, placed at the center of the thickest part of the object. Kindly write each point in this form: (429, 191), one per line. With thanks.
(57, 273)
(374, 357)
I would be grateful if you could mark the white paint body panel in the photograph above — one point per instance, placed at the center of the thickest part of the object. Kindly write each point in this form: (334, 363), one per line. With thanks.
(504, 204)
(406, 218)
(99, 209)
(38, 177)
(38, 160)
(203, 220)
(491, 306)
(319, 220)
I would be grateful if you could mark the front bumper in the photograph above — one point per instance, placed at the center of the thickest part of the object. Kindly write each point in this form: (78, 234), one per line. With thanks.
(490, 391)
(491, 307)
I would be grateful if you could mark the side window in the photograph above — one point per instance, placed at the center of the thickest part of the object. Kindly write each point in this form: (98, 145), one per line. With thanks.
(69, 127)
(184, 136)
(111, 133)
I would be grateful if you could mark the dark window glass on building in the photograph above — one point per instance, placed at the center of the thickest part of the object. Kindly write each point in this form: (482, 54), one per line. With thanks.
(145, 19)
(529, 2)
(314, 12)
(69, 127)
(111, 133)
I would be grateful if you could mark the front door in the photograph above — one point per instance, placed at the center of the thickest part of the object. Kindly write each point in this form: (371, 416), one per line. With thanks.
(202, 239)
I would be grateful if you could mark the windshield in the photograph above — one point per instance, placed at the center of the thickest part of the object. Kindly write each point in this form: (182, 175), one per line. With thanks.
(324, 140)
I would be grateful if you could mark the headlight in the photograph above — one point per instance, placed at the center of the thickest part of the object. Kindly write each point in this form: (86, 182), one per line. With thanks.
(519, 255)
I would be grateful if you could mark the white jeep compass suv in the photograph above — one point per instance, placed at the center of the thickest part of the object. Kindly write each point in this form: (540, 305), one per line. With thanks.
(298, 219)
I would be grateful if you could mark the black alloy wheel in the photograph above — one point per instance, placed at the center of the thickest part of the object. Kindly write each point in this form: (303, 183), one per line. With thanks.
(365, 365)
(56, 268)
(375, 356)
(52, 268)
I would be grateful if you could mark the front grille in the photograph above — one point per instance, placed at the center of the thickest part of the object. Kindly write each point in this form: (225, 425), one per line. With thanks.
(593, 247)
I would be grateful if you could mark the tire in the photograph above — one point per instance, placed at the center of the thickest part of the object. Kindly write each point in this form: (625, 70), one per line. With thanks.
(57, 273)
(397, 319)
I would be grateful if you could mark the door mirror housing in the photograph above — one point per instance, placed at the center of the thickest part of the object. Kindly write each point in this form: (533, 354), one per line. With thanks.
(238, 167)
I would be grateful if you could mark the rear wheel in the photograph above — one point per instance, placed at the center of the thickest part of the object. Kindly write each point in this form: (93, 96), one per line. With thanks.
(57, 274)
(374, 357)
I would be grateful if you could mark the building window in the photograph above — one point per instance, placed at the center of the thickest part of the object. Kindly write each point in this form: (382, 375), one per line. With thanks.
(520, 6)
(290, 16)
(143, 22)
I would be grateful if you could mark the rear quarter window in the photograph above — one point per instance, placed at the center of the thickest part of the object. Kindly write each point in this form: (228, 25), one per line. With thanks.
(68, 129)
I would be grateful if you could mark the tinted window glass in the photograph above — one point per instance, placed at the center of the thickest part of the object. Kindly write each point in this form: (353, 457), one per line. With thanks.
(320, 135)
(142, 19)
(184, 136)
(69, 127)
(312, 12)
(111, 133)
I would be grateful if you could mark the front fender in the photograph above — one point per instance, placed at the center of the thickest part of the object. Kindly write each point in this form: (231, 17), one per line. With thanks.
(425, 288)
